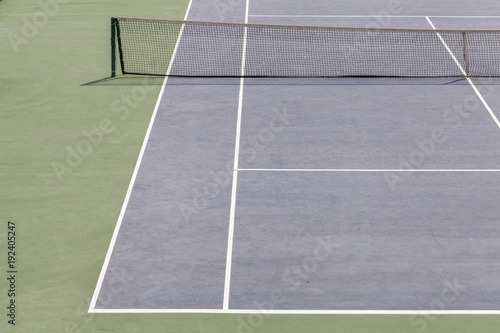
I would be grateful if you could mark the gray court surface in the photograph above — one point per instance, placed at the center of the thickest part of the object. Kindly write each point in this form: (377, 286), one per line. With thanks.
(352, 194)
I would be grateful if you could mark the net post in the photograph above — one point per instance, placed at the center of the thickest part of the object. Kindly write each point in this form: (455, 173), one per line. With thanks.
(113, 46)
(466, 53)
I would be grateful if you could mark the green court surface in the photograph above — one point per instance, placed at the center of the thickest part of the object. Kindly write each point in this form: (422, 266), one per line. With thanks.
(69, 144)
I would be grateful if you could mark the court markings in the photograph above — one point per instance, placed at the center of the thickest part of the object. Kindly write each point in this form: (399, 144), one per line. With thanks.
(229, 254)
(374, 16)
(371, 170)
(225, 309)
(465, 74)
(303, 312)
(134, 175)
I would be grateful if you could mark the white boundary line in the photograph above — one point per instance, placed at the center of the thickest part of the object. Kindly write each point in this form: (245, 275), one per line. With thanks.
(305, 312)
(372, 170)
(465, 74)
(232, 213)
(368, 16)
(447, 48)
(233, 197)
(134, 175)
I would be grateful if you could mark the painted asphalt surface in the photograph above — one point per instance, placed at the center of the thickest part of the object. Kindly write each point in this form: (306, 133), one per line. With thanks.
(316, 240)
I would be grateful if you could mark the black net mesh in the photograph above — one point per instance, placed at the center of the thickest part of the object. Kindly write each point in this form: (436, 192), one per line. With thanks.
(235, 50)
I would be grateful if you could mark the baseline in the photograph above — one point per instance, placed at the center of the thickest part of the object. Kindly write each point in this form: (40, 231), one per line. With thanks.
(305, 312)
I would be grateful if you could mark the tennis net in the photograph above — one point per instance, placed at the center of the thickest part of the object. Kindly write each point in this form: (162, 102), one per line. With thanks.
(209, 49)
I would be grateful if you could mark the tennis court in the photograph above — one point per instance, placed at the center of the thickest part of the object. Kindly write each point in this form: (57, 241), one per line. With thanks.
(263, 204)
(307, 195)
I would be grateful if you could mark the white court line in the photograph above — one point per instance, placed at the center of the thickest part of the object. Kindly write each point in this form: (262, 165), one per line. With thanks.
(230, 236)
(134, 175)
(374, 16)
(305, 312)
(465, 74)
(371, 170)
